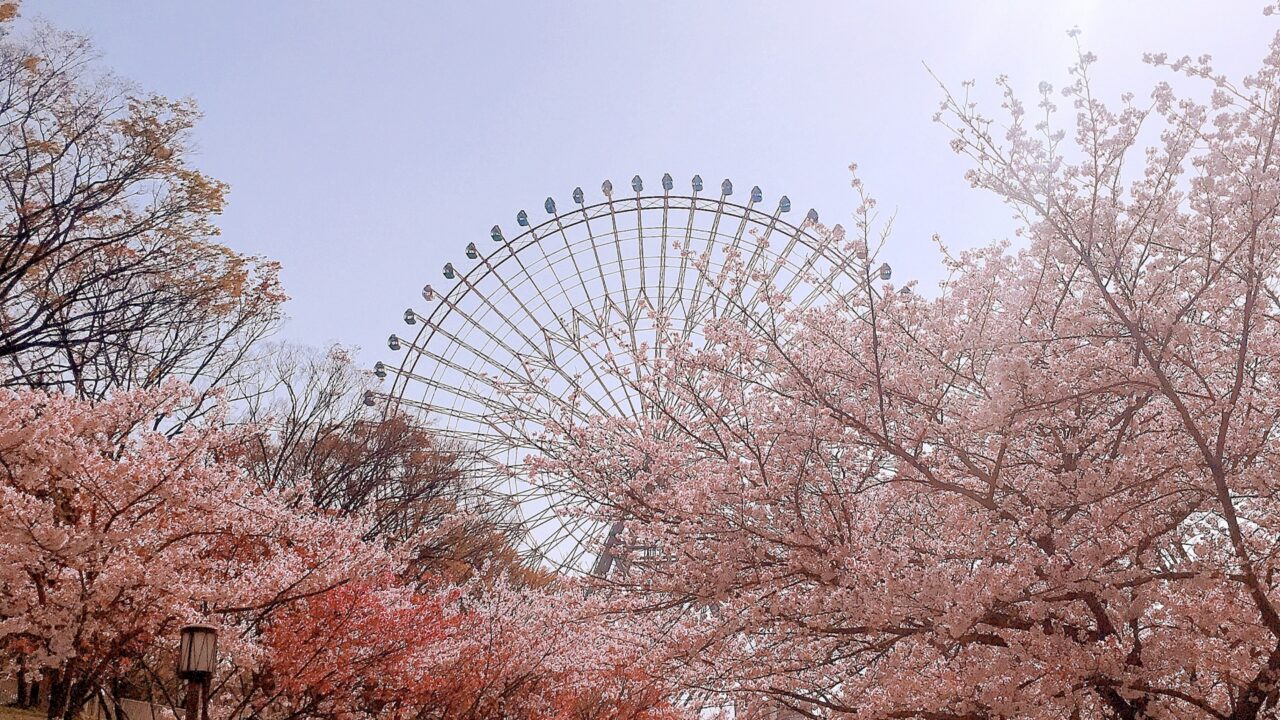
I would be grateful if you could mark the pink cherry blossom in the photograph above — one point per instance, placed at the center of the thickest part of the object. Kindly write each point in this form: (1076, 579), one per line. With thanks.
(1048, 490)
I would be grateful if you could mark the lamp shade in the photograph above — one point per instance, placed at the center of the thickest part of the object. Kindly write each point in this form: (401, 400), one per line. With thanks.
(197, 652)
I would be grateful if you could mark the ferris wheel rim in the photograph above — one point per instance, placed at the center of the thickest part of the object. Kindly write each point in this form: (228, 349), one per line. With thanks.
(512, 247)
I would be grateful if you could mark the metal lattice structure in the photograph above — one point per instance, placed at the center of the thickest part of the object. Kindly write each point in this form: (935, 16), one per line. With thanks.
(537, 323)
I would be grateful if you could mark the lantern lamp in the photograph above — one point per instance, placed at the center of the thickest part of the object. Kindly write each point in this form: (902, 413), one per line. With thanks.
(197, 652)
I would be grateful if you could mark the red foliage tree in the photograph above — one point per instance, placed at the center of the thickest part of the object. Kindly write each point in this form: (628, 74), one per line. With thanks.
(366, 646)
(478, 652)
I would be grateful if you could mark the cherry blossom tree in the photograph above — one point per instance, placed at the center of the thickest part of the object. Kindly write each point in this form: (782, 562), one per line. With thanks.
(1049, 490)
(113, 535)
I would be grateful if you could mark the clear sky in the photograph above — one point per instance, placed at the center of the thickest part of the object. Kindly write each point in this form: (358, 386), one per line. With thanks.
(366, 143)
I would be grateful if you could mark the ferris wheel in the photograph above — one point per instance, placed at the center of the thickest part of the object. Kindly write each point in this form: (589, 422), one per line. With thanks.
(535, 322)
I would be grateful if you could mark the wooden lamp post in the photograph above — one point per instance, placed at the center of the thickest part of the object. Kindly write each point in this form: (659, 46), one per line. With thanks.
(197, 658)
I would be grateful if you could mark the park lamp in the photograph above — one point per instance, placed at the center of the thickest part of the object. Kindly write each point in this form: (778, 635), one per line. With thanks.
(197, 652)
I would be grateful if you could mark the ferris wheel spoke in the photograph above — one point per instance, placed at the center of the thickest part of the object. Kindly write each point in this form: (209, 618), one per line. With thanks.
(640, 237)
(778, 263)
(619, 257)
(577, 270)
(549, 364)
(763, 241)
(599, 264)
(589, 296)
(484, 400)
(558, 317)
(475, 418)
(571, 333)
(802, 274)
(550, 265)
(686, 248)
(500, 366)
(826, 286)
(734, 246)
(549, 359)
(693, 306)
(660, 310)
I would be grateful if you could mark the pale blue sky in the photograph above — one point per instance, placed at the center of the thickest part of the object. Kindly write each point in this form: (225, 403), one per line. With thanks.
(367, 143)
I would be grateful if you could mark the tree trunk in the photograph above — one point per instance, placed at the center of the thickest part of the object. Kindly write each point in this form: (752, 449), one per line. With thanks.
(22, 701)
(57, 695)
(77, 694)
(117, 695)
